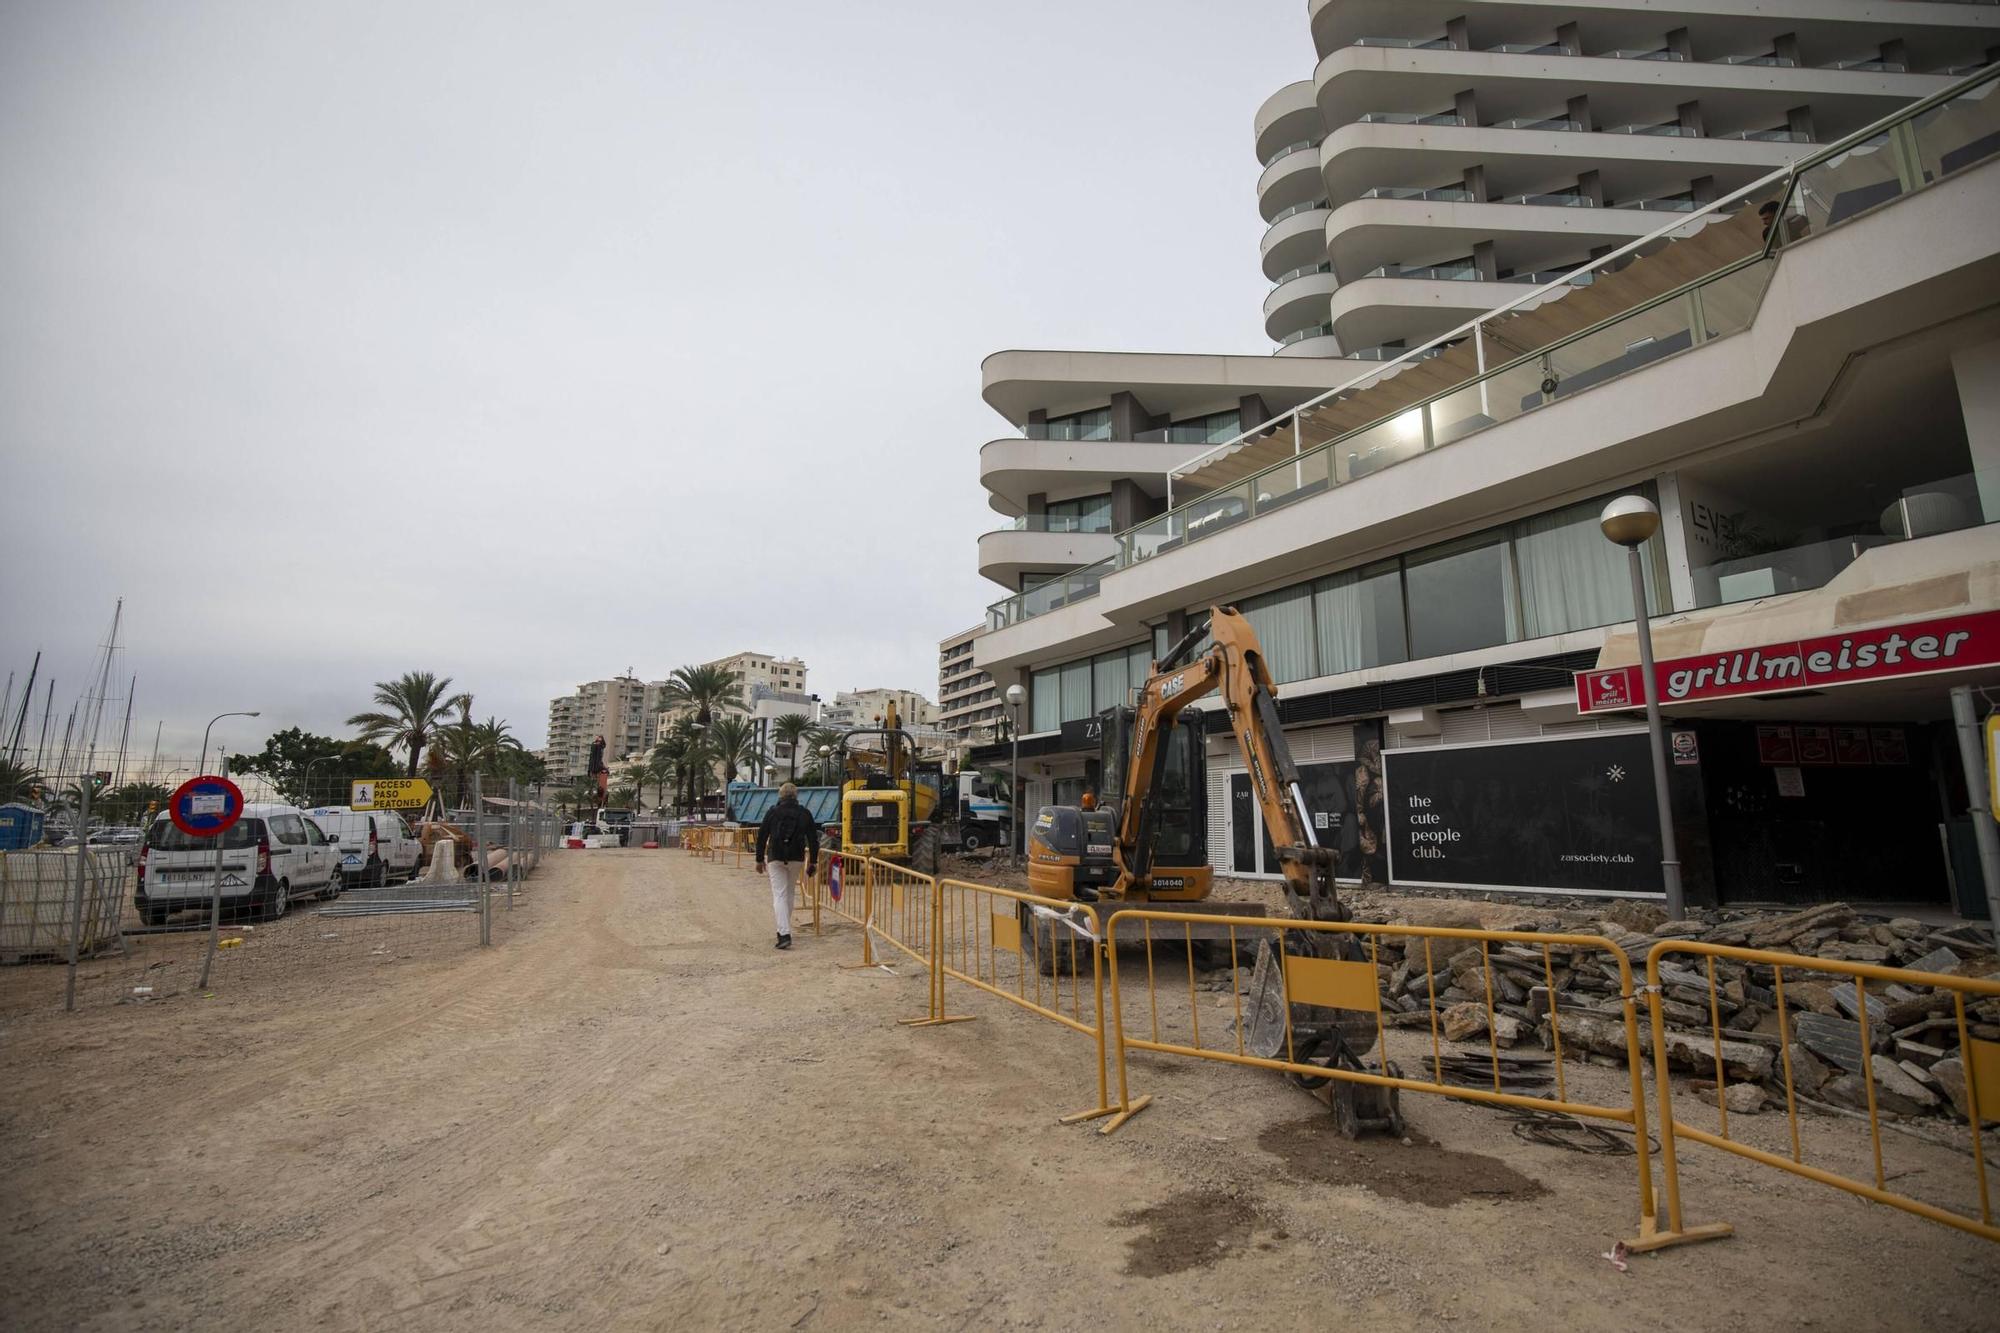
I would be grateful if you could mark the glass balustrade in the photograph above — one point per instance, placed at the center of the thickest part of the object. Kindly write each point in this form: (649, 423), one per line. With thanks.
(1407, 118)
(1528, 49)
(1301, 146)
(1653, 131)
(1085, 523)
(1560, 123)
(1550, 200)
(1450, 194)
(1938, 137)
(1642, 53)
(1767, 136)
(1658, 205)
(1434, 273)
(1407, 43)
(1300, 335)
(1295, 209)
(1300, 272)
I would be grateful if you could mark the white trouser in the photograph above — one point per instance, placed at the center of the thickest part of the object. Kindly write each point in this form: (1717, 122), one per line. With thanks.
(784, 890)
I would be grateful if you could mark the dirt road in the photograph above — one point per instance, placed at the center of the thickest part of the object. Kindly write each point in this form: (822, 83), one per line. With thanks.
(632, 1112)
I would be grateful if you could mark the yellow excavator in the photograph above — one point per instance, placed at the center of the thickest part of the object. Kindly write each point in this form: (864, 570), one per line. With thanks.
(1145, 845)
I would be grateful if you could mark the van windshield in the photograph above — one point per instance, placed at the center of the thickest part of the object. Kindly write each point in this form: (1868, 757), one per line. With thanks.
(165, 836)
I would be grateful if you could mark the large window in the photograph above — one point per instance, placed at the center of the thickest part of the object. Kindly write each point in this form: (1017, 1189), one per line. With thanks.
(1284, 624)
(1215, 428)
(1571, 577)
(1090, 513)
(1360, 618)
(1086, 687)
(1092, 425)
(1461, 596)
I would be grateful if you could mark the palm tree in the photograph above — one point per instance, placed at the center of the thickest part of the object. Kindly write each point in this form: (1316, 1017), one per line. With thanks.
(829, 737)
(790, 731)
(18, 781)
(734, 744)
(412, 707)
(702, 690)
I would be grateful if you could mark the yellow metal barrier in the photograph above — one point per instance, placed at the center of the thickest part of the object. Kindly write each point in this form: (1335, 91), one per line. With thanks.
(994, 939)
(1981, 1065)
(1353, 986)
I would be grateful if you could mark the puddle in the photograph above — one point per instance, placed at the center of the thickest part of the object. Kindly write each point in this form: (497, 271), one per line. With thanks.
(1420, 1173)
(1191, 1230)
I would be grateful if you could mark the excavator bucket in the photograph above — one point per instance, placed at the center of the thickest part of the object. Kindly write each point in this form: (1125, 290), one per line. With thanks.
(1330, 1038)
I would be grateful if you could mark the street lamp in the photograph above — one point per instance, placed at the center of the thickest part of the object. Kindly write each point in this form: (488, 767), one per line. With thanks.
(825, 758)
(1016, 696)
(307, 782)
(1630, 521)
(211, 726)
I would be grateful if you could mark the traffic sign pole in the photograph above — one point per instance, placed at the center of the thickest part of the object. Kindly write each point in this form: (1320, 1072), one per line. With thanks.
(82, 835)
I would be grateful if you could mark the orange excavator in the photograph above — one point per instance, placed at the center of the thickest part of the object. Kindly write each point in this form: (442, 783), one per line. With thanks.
(1151, 760)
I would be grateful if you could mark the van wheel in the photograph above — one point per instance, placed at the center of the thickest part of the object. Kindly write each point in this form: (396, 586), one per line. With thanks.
(378, 876)
(153, 916)
(972, 840)
(279, 902)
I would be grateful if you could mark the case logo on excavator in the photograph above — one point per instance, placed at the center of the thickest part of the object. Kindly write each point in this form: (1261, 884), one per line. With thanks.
(1173, 686)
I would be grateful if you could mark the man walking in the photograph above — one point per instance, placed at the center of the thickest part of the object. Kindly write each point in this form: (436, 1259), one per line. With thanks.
(788, 837)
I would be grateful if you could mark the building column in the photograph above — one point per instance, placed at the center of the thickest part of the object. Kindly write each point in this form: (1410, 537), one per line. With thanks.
(1128, 416)
(1977, 370)
(1251, 411)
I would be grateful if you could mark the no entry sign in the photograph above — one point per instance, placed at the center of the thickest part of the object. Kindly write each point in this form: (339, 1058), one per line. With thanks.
(205, 806)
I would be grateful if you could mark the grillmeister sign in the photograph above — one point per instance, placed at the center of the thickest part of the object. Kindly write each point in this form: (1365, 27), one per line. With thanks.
(1916, 648)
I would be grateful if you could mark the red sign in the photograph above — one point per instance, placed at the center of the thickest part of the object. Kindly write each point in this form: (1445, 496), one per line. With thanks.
(1775, 745)
(205, 806)
(1917, 648)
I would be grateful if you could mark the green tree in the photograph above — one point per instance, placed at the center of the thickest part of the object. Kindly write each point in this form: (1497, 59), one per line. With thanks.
(306, 769)
(734, 744)
(703, 691)
(130, 803)
(19, 781)
(412, 708)
(790, 731)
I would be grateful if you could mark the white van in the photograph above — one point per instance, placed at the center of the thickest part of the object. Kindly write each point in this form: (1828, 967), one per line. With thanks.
(270, 856)
(375, 846)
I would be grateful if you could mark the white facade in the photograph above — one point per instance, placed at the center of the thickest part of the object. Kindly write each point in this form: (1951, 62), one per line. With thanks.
(1442, 154)
(969, 705)
(624, 710)
(866, 708)
(1810, 403)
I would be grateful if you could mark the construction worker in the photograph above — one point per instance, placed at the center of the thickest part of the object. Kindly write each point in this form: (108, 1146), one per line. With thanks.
(787, 838)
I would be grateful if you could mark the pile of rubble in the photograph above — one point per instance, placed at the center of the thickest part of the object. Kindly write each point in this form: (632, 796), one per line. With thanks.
(1913, 1032)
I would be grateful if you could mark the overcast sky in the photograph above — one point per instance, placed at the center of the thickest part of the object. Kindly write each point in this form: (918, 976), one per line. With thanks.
(527, 343)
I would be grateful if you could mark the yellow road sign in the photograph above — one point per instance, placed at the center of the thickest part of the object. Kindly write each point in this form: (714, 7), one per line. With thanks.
(389, 793)
(1993, 763)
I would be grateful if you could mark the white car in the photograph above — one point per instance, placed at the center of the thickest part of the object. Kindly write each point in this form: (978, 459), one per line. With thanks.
(270, 856)
(375, 846)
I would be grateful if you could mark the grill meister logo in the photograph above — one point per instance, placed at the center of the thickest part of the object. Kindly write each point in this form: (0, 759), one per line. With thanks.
(1914, 649)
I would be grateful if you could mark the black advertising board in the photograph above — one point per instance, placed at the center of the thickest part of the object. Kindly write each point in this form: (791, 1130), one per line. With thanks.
(1082, 733)
(1572, 816)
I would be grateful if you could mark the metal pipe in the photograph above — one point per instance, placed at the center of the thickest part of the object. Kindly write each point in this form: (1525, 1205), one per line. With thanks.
(1670, 860)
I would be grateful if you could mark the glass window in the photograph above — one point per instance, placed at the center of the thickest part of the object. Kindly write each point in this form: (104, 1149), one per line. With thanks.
(1045, 697)
(1110, 675)
(1360, 618)
(1090, 513)
(1075, 690)
(1215, 428)
(1284, 624)
(1138, 664)
(289, 830)
(1160, 642)
(165, 836)
(1461, 597)
(1092, 425)
(1571, 577)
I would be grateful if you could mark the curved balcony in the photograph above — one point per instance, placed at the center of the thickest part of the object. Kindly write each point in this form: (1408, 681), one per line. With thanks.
(1542, 232)
(1295, 240)
(1289, 181)
(1011, 469)
(1287, 116)
(1011, 552)
(1413, 307)
(1298, 301)
(1390, 152)
(1313, 340)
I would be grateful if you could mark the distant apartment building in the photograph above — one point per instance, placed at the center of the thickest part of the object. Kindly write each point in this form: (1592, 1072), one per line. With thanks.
(969, 704)
(624, 710)
(1404, 502)
(761, 674)
(865, 708)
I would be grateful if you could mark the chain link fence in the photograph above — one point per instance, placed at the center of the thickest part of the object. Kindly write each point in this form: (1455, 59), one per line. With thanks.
(103, 899)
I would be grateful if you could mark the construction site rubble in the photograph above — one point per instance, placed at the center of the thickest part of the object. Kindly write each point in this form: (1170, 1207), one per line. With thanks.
(1912, 1033)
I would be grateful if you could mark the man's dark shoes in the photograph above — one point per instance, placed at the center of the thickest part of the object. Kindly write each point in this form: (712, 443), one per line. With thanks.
(784, 941)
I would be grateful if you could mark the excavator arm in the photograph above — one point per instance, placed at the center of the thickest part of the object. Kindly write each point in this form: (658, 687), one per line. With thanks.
(1231, 664)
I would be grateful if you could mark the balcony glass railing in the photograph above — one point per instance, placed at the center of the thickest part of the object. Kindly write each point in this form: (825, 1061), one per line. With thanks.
(1560, 123)
(1653, 131)
(1775, 61)
(1435, 273)
(1300, 272)
(1581, 278)
(1301, 146)
(1407, 43)
(1448, 194)
(1767, 136)
(1550, 200)
(1407, 118)
(1760, 565)
(1658, 205)
(1879, 66)
(1642, 53)
(1295, 209)
(1060, 523)
(1528, 49)
(1300, 335)
(1933, 138)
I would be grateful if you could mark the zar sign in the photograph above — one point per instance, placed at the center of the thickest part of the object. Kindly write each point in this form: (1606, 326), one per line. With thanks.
(389, 793)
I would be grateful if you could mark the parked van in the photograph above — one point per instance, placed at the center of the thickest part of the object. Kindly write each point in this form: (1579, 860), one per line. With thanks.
(270, 856)
(375, 846)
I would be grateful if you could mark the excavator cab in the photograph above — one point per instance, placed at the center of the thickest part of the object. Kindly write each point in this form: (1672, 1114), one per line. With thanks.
(1070, 848)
